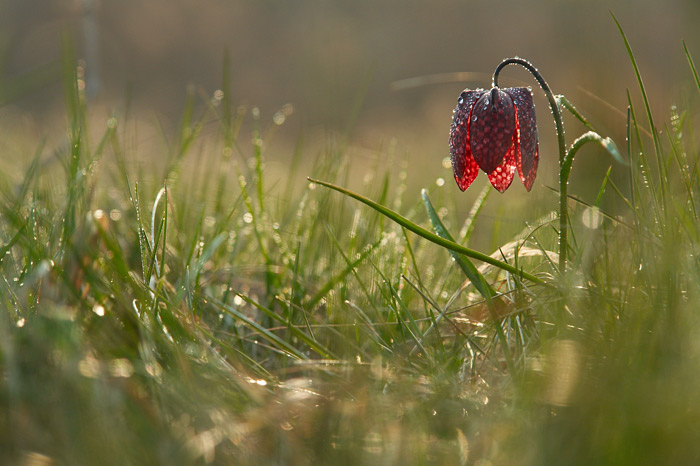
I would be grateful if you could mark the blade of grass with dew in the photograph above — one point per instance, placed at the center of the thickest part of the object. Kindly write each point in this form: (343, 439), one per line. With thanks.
(464, 263)
(416, 269)
(691, 63)
(207, 253)
(292, 177)
(30, 177)
(383, 196)
(165, 228)
(293, 329)
(353, 268)
(432, 237)
(413, 329)
(153, 269)
(294, 291)
(644, 172)
(270, 279)
(429, 305)
(663, 176)
(195, 238)
(678, 157)
(153, 263)
(257, 151)
(259, 329)
(350, 267)
(229, 350)
(470, 222)
(383, 343)
(4, 249)
(399, 308)
(566, 104)
(144, 247)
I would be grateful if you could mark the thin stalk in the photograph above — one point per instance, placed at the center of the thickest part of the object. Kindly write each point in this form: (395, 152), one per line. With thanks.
(559, 123)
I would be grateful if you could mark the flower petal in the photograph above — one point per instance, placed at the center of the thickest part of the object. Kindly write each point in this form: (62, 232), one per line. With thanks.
(463, 165)
(526, 127)
(503, 175)
(491, 129)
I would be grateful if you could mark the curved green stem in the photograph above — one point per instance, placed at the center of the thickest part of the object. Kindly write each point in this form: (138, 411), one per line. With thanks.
(559, 123)
(590, 136)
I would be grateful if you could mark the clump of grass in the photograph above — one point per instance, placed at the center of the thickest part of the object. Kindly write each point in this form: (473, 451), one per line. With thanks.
(202, 310)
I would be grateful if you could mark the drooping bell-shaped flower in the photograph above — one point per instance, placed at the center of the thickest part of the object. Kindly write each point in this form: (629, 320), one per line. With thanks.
(495, 131)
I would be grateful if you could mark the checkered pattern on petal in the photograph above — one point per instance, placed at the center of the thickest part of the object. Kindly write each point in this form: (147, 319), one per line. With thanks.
(463, 165)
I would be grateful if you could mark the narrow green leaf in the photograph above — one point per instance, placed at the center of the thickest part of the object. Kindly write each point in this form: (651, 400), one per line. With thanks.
(663, 177)
(350, 267)
(13, 240)
(463, 262)
(432, 237)
(566, 104)
(692, 66)
(262, 331)
(296, 331)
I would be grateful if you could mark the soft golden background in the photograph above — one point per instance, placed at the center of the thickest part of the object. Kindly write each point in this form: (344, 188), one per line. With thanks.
(326, 56)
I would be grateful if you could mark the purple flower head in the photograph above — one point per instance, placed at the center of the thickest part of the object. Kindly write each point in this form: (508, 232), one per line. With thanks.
(495, 131)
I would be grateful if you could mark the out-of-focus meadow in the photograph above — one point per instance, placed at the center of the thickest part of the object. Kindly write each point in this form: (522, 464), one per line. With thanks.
(174, 290)
(345, 64)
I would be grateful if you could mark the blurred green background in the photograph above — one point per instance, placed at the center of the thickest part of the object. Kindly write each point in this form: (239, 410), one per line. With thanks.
(328, 58)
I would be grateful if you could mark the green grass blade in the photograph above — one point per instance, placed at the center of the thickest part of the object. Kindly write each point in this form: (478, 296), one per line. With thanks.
(464, 263)
(663, 176)
(144, 247)
(566, 104)
(374, 334)
(296, 331)
(692, 66)
(12, 242)
(432, 237)
(470, 222)
(340, 276)
(262, 331)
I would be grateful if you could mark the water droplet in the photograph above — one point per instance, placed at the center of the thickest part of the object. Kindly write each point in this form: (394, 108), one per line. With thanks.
(278, 118)
(592, 218)
(121, 367)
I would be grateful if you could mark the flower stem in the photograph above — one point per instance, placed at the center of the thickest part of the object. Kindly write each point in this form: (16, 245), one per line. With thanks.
(563, 177)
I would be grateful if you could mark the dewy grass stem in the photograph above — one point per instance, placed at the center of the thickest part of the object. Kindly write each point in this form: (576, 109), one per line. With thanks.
(561, 143)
